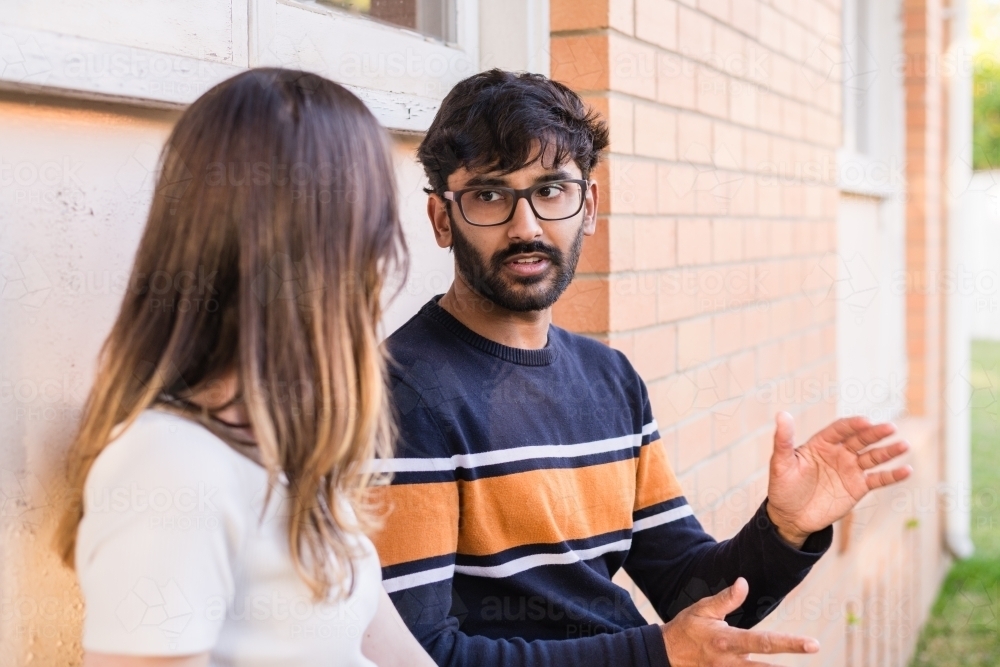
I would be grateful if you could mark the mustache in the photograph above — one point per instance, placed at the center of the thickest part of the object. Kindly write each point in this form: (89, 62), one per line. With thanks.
(501, 256)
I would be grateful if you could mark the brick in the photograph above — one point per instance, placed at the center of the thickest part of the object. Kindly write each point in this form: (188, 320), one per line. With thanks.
(755, 239)
(676, 81)
(633, 185)
(694, 342)
(769, 112)
(677, 296)
(655, 352)
(656, 22)
(756, 325)
(713, 479)
(621, 126)
(727, 332)
(621, 243)
(694, 241)
(717, 8)
(621, 15)
(655, 132)
(633, 301)
(713, 92)
(633, 67)
(727, 240)
(574, 15)
(694, 34)
(594, 257)
(743, 103)
(744, 13)
(694, 442)
(624, 343)
(694, 139)
(730, 51)
(655, 243)
(581, 61)
(727, 146)
(757, 152)
(771, 28)
(584, 306)
(675, 188)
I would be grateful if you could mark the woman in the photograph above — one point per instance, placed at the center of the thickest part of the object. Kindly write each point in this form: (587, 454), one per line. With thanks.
(221, 457)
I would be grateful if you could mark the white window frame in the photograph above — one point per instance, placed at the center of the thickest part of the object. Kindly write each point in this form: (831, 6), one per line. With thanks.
(867, 286)
(867, 63)
(412, 72)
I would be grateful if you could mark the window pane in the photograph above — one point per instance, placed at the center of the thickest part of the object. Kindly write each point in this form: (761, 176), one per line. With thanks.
(434, 18)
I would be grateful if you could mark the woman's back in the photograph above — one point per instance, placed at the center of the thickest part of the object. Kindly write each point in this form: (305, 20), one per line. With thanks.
(176, 555)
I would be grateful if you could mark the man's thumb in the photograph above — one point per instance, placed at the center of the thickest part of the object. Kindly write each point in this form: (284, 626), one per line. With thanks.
(784, 437)
(727, 600)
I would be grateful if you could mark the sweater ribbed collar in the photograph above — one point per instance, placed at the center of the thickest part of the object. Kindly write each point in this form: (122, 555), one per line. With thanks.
(515, 355)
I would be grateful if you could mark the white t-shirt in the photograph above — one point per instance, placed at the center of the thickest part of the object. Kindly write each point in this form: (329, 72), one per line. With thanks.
(175, 556)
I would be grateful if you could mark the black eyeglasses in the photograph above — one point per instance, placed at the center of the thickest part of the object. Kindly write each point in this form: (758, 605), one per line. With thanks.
(490, 205)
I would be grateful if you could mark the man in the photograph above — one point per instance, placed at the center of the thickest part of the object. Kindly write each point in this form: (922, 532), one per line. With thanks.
(529, 467)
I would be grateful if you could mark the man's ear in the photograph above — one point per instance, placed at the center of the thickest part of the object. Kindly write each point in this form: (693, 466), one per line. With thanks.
(590, 210)
(437, 211)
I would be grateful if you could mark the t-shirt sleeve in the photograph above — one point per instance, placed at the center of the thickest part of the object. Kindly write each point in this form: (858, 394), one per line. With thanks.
(156, 544)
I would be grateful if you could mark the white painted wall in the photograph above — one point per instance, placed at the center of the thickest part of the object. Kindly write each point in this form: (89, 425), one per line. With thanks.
(75, 184)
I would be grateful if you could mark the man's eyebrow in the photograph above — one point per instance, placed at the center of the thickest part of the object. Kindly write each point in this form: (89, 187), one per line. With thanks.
(558, 175)
(483, 179)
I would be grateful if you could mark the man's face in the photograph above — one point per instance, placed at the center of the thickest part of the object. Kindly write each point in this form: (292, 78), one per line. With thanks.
(524, 264)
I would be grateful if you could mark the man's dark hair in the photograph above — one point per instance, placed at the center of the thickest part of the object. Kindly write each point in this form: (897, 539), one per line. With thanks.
(489, 121)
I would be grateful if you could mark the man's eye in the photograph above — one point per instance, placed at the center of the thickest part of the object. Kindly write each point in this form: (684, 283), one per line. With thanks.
(549, 191)
(489, 196)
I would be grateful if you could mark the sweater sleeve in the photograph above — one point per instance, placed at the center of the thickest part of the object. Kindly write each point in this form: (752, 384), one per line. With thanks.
(417, 548)
(676, 563)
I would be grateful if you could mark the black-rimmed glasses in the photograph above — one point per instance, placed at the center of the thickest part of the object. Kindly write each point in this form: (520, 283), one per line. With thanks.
(490, 205)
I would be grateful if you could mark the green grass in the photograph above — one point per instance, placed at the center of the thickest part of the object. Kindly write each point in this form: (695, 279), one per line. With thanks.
(964, 628)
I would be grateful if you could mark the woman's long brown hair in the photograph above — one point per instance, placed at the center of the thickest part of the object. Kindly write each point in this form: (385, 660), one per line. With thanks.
(273, 225)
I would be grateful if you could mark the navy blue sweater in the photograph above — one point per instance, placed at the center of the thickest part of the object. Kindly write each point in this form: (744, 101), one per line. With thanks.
(524, 479)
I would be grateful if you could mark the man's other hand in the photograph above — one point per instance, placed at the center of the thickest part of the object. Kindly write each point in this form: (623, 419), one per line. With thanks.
(699, 635)
(818, 483)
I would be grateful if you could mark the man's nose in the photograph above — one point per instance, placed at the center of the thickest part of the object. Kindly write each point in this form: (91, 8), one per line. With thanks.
(524, 225)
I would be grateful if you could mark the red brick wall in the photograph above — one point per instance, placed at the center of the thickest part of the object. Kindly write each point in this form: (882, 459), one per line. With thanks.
(718, 214)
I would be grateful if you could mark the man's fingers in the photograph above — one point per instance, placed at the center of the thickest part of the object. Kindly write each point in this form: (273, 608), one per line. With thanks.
(842, 429)
(751, 641)
(869, 436)
(725, 601)
(877, 480)
(880, 455)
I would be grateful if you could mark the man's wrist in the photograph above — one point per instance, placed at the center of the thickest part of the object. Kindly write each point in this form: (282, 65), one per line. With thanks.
(794, 538)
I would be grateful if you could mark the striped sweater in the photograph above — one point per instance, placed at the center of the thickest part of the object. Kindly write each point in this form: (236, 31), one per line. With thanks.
(523, 480)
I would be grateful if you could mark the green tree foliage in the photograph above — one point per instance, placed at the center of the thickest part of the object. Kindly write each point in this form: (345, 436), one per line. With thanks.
(986, 113)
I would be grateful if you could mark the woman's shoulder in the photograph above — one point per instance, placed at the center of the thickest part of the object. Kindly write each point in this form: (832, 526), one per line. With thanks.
(171, 450)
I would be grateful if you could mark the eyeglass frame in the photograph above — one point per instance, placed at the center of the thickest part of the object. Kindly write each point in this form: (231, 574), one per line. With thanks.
(519, 194)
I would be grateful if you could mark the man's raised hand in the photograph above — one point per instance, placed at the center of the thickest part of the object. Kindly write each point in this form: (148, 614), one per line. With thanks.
(699, 635)
(818, 483)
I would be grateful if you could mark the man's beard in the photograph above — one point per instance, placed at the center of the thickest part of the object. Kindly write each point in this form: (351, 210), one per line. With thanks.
(515, 293)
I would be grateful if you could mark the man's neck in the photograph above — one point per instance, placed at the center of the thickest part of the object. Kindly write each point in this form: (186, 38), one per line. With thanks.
(527, 331)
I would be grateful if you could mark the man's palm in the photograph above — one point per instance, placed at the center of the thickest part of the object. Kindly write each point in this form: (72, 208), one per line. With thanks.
(818, 483)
